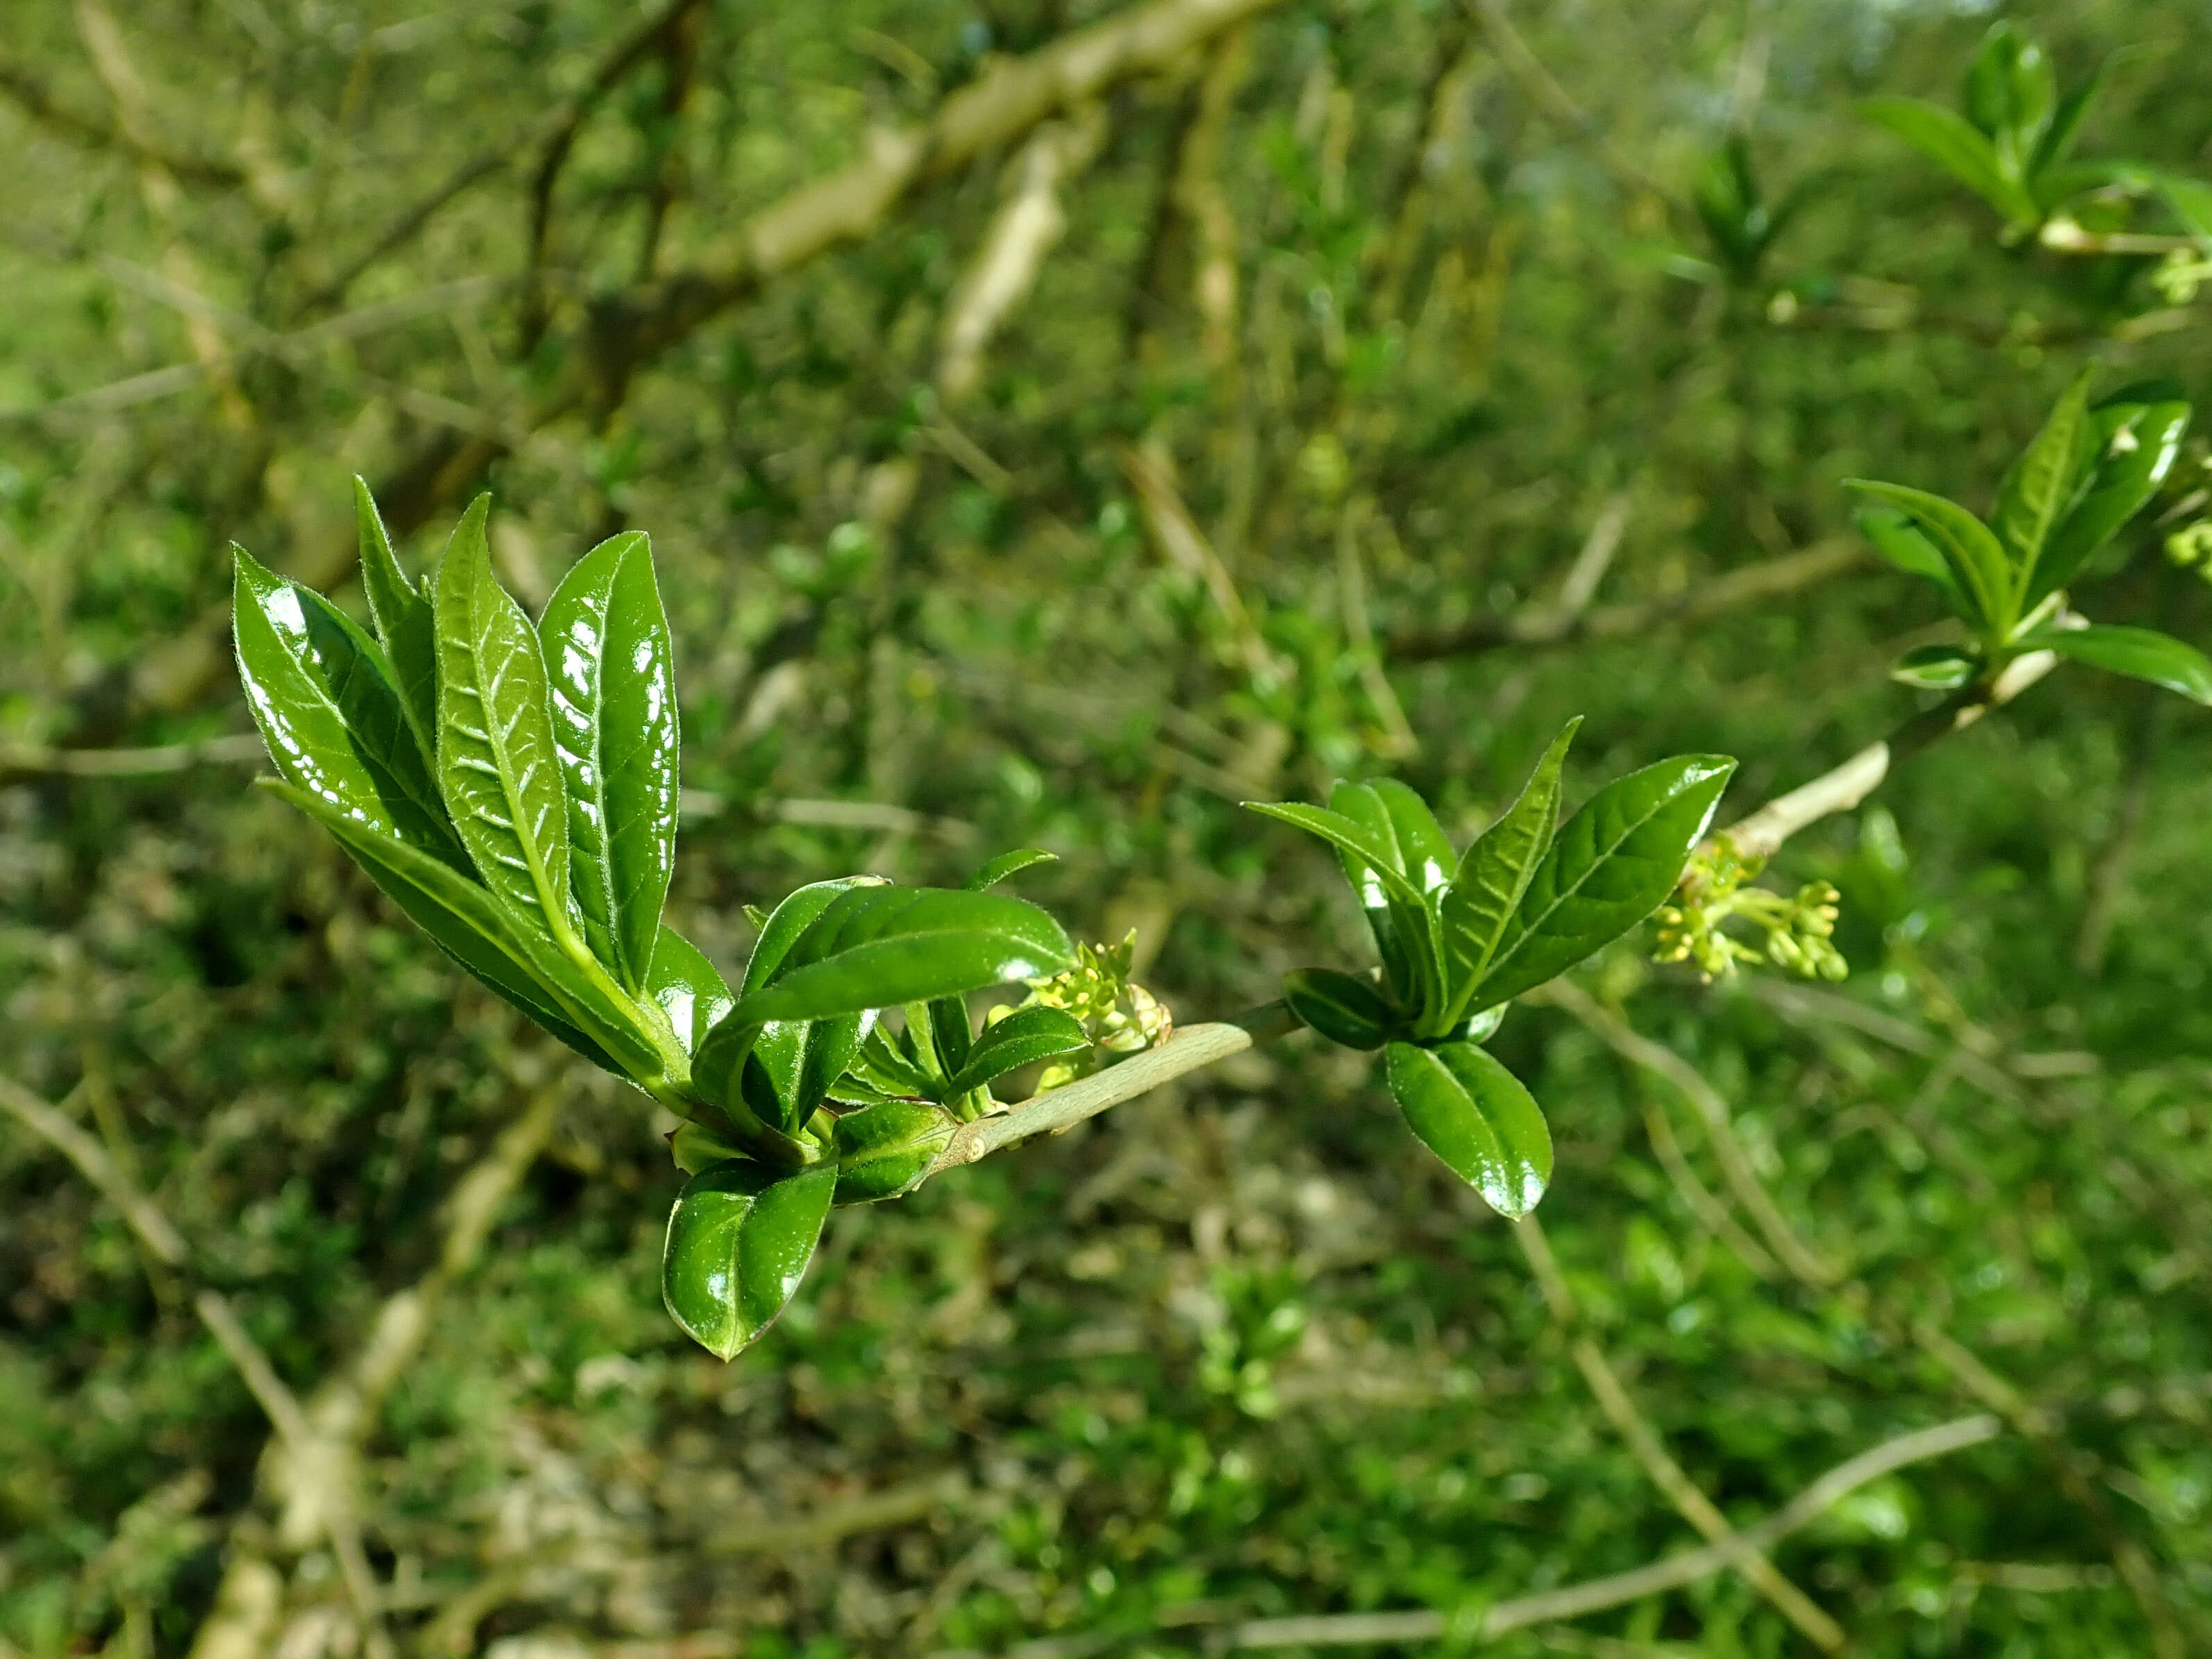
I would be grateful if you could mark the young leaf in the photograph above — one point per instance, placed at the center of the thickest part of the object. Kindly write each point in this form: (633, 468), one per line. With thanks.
(1891, 535)
(496, 760)
(1424, 855)
(1346, 1009)
(886, 1068)
(1497, 869)
(1007, 864)
(2135, 444)
(2057, 140)
(2040, 486)
(780, 929)
(1611, 865)
(613, 678)
(1975, 556)
(801, 1059)
(1397, 910)
(872, 947)
(1473, 1114)
(1348, 836)
(478, 933)
(2142, 654)
(1021, 1038)
(2010, 91)
(883, 1150)
(1935, 667)
(332, 718)
(739, 1242)
(689, 988)
(402, 614)
(1952, 143)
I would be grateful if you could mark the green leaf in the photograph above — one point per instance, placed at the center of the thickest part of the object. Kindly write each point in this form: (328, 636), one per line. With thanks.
(2189, 201)
(1346, 1009)
(1021, 1038)
(1611, 865)
(1007, 864)
(2010, 91)
(404, 622)
(739, 1242)
(329, 713)
(1952, 143)
(940, 1029)
(792, 916)
(478, 933)
(1497, 870)
(1974, 556)
(612, 670)
(884, 1067)
(2133, 449)
(800, 1059)
(1935, 667)
(2042, 481)
(1424, 855)
(1400, 912)
(883, 1150)
(496, 759)
(2142, 654)
(1471, 1112)
(872, 947)
(1893, 536)
(689, 989)
(1355, 840)
(2057, 140)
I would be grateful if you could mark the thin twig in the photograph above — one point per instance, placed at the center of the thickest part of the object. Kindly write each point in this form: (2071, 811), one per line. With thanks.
(1761, 834)
(161, 1237)
(1191, 1049)
(19, 762)
(1736, 1163)
(1650, 1452)
(1596, 1595)
(1553, 624)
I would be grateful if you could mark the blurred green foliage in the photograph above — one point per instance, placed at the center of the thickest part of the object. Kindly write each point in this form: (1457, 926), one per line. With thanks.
(1353, 338)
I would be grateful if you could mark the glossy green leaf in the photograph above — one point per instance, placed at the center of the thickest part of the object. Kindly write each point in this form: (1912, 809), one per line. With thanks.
(872, 947)
(800, 1059)
(2142, 654)
(1973, 553)
(478, 933)
(885, 1066)
(2010, 92)
(943, 1021)
(1475, 1114)
(1021, 1038)
(612, 670)
(1400, 914)
(2134, 447)
(1424, 854)
(1372, 850)
(1007, 864)
(1344, 1008)
(883, 1150)
(1611, 865)
(496, 760)
(1495, 873)
(1935, 667)
(332, 718)
(796, 912)
(1893, 535)
(739, 1242)
(1952, 143)
(689, 989)
(404, 622)
(2042, 482)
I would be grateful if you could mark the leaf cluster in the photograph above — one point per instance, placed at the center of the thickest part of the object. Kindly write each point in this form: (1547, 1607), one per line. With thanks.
(1461, 935)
